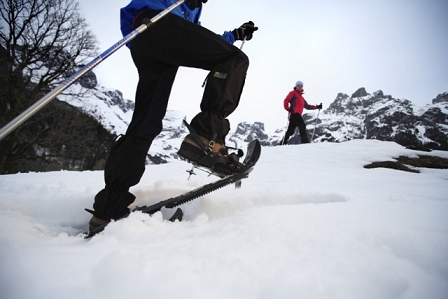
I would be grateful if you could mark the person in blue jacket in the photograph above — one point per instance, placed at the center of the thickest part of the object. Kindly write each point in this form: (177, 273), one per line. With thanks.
(173, 41)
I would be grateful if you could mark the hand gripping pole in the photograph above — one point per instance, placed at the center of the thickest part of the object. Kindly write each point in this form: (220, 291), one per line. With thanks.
(315, 124)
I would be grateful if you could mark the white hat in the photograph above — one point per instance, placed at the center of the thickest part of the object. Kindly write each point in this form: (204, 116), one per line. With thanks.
(299, 83)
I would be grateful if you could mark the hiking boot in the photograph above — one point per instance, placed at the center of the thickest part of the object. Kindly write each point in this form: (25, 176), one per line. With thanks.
(209, 154)
(96, 222)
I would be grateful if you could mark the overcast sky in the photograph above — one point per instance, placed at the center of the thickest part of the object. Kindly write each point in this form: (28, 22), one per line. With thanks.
(398, 46)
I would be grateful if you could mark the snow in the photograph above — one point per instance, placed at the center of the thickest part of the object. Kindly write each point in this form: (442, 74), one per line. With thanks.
(96, 102)
(310, 222)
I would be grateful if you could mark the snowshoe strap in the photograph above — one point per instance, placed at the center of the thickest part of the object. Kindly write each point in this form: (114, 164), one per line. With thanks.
(206, 147)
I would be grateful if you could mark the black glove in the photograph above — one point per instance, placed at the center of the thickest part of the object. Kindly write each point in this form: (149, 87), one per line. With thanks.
(319, 106)
(245, 31)
(290, 110)
(195, 3)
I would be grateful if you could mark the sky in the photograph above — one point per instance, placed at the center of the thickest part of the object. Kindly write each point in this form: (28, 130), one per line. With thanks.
(329, 236)
(333, 46)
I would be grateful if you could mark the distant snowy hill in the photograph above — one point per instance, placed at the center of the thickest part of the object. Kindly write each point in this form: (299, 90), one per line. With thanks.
(106, 105)
(359, 116)
(77, 130)
(382, 117)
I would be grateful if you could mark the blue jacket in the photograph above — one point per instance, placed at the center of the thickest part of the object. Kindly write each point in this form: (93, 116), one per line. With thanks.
(129, 12)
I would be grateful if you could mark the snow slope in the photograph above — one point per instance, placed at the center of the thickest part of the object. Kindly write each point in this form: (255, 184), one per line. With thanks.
(310, 222)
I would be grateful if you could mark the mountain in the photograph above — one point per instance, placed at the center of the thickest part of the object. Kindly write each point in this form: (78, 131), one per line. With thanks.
(382, 117)
(359, 116)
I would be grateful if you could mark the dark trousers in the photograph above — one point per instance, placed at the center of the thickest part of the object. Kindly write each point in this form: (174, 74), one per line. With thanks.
(296, 120)
(157, 53)
(173, 42)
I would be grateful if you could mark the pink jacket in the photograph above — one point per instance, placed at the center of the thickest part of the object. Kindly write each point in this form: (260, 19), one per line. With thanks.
(294, 102)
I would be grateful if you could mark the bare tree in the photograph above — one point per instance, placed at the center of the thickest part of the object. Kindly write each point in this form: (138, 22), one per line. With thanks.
(42, 42)
(45, 40)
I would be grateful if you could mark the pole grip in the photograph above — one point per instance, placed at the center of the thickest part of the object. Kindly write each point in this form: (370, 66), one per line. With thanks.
(315, 124)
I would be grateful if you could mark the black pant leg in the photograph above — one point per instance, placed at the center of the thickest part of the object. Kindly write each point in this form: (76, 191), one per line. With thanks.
(295, 121)
(151, 99)
(302, 129)
(177, 42)
(124, 168)
(291, 128)
(221, 97)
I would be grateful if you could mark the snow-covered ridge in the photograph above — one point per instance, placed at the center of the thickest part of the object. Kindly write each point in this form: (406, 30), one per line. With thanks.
(359, 116)
(106, 105)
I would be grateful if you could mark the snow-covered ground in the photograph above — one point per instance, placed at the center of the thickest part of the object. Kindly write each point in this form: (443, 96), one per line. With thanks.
(310, 222)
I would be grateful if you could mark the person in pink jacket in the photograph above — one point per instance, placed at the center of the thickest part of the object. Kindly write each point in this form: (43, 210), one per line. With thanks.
(294, 103)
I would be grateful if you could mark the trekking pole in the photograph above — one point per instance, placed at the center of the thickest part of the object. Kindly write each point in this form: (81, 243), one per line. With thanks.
(315, 124)
(284, 135)
(12, 125)
(242, 44)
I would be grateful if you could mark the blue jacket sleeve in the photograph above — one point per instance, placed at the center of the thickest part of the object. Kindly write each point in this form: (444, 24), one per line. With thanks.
(228, 36)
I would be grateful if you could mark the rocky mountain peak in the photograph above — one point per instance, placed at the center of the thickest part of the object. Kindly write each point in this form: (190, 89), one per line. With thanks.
(89, 80)
(361, 92)
(441, 98)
